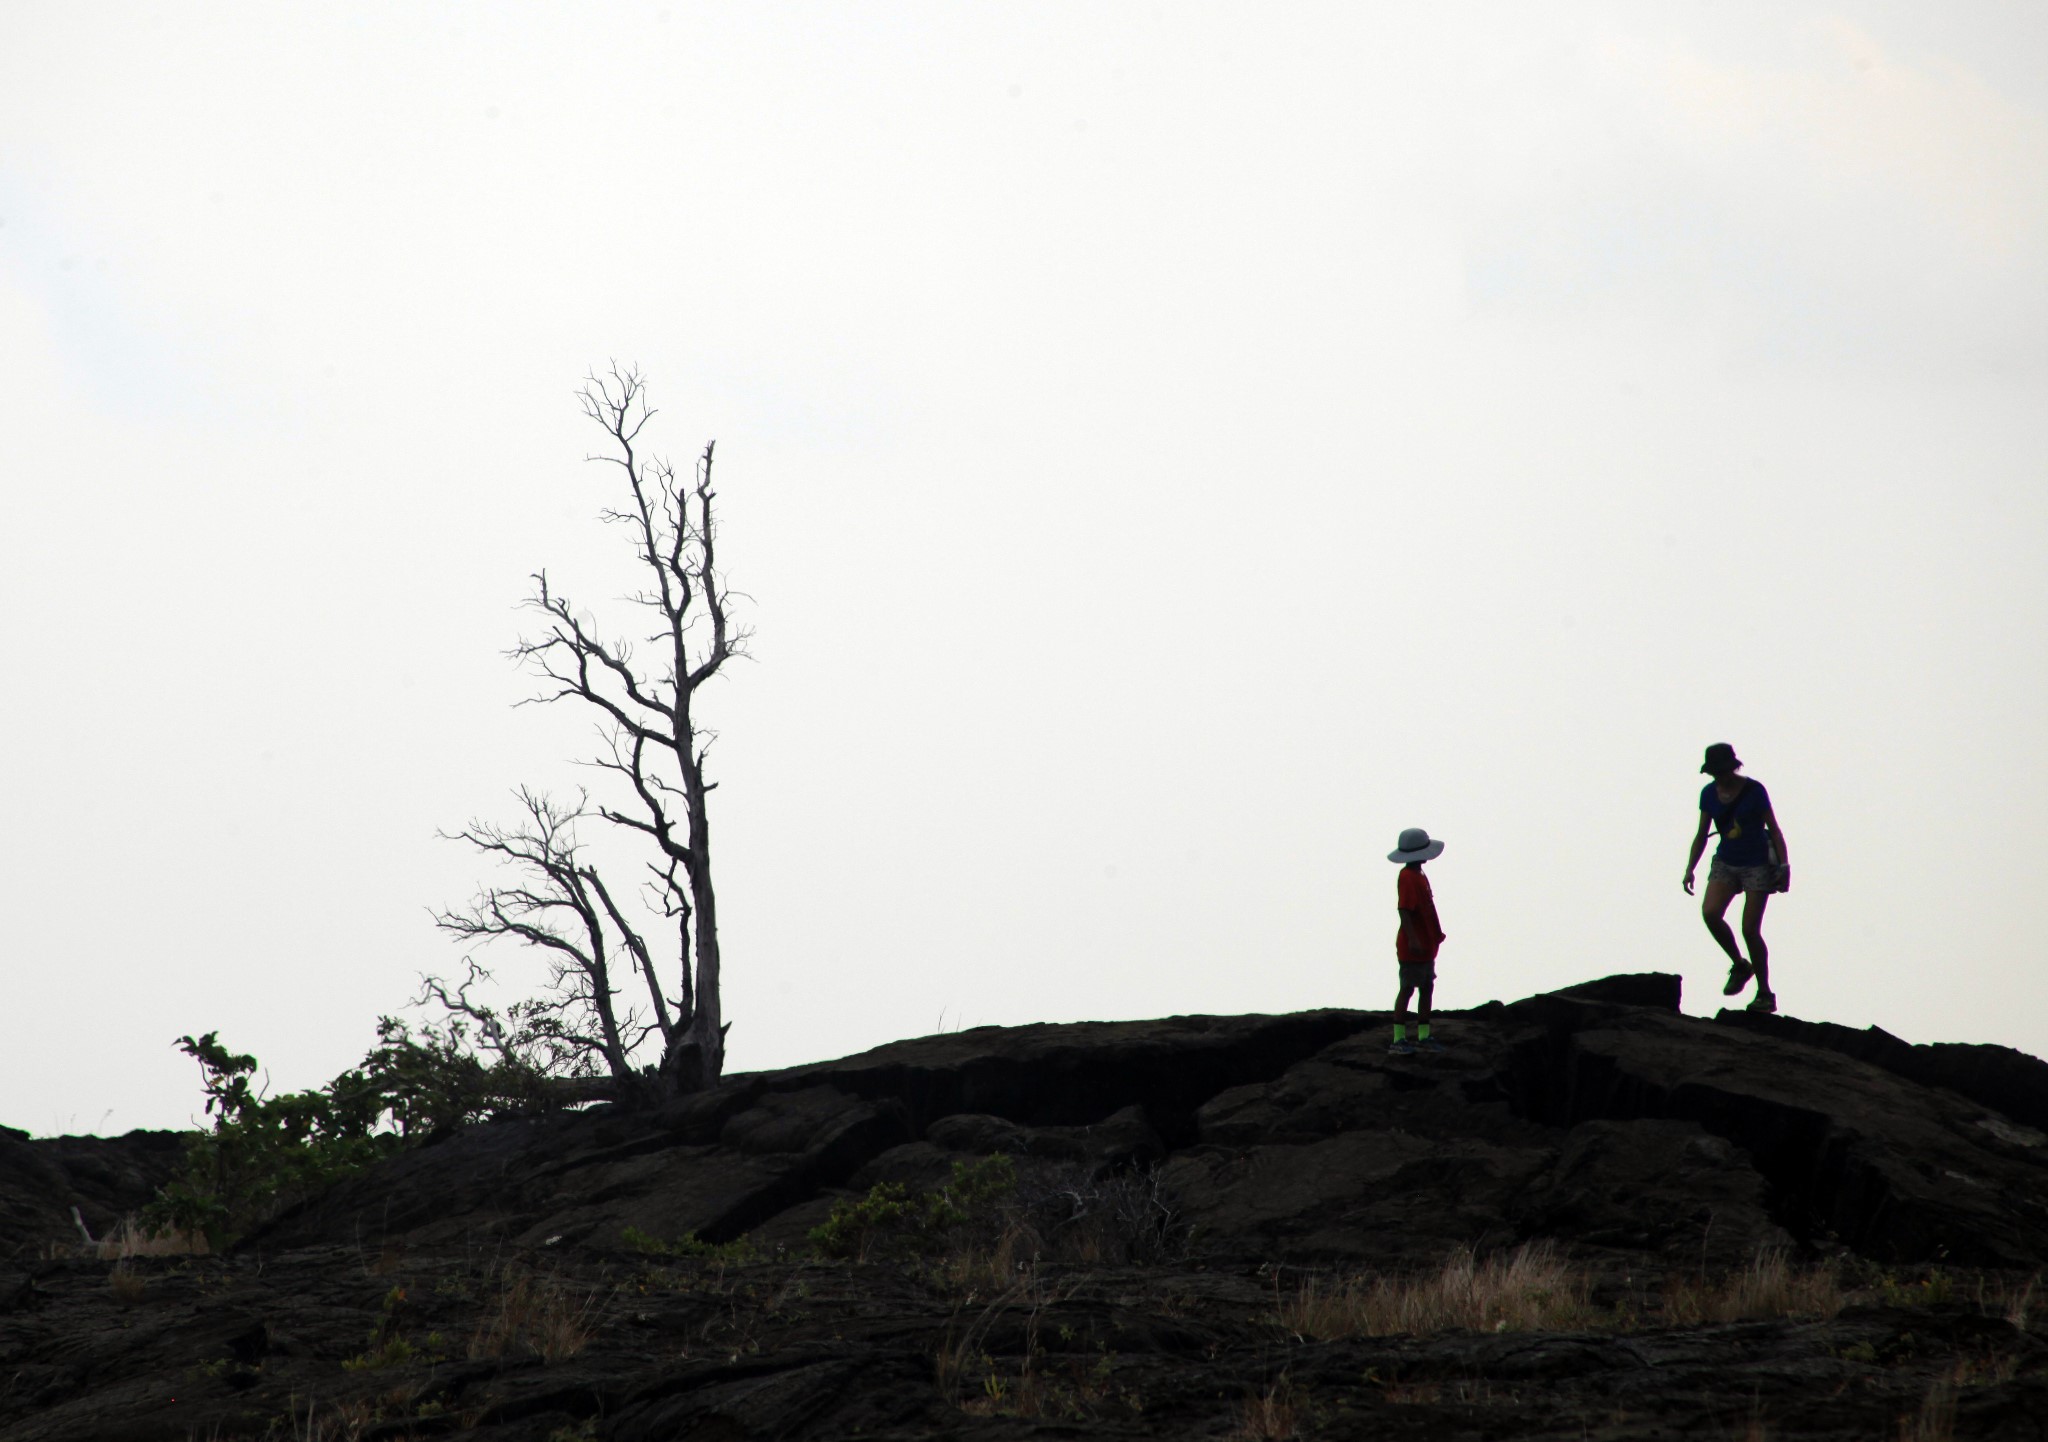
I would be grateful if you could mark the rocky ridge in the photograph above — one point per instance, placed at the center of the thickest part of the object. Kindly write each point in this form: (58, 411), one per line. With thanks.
(1222, 1162)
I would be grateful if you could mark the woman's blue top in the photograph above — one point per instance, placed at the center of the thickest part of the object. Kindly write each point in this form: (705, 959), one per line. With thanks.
(1741, 823)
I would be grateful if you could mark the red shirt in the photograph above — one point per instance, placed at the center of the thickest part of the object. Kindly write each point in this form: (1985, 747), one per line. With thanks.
(1413, 894)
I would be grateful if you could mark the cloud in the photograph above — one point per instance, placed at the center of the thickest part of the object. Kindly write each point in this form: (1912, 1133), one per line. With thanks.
(1829, 204)
(88, 321)
(1858, 119)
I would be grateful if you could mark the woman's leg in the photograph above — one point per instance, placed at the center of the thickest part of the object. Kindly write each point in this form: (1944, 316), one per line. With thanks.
(1713, 911)
(1753, 904)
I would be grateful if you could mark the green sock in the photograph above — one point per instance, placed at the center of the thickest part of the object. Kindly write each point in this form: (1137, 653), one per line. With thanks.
(1422, 1032)
(1400, 1032)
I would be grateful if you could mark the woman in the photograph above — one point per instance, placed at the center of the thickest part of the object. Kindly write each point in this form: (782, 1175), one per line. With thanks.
(1751, 859)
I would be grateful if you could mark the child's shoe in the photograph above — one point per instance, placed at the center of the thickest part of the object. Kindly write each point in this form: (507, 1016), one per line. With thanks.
(1738, 977)
(1429, 1043)
(1401, 1048)
(1765, 1002)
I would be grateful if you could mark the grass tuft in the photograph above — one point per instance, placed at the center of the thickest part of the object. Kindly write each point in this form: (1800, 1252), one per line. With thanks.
(1529, 1289)
(1936, 1419)
(130, 1239)
(538, 1315)
(1770, 1286)
(1271, 1415)
(126, 1283)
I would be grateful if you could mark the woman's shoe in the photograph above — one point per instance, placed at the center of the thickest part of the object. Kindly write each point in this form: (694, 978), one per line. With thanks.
(1738, 977)
(1765, 1001)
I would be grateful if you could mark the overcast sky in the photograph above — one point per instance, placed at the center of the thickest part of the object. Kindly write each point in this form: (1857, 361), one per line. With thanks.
(1167, 449)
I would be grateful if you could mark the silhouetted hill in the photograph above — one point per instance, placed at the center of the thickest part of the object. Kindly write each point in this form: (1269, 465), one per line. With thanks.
(1182, 1189)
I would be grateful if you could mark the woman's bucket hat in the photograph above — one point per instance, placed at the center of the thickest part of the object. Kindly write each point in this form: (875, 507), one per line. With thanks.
(1720, 756)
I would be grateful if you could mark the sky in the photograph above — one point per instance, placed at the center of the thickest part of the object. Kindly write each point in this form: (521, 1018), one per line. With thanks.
(1165, 451)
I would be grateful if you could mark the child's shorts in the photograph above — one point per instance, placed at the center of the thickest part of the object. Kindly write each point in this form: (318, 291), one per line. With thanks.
(1417, 973)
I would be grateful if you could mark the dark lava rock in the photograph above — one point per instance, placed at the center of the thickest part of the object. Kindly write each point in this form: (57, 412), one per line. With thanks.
(105, 1178)
(1291, 1138)
(2007, 1081)
(481, 1286)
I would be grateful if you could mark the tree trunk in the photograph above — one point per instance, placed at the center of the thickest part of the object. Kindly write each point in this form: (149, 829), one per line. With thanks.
(705, 1035)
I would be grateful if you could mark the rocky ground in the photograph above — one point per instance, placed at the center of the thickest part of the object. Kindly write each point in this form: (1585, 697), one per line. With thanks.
(1209, 1222)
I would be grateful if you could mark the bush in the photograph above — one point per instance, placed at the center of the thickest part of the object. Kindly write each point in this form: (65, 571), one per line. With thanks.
(893, 1220)
(988, 1220)
(691, 1247)
(1125, 1217)
(263, 1153)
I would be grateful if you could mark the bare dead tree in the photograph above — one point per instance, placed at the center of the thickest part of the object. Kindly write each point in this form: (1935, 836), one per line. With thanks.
(654, 742)
(560, 905)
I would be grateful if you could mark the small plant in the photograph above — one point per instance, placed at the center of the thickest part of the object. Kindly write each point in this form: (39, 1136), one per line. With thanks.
(1934, 1288)
(1125, 1218)
(973, 1267)
(339, 1422)
(389, 1347)
(392, 1352)
(2016, 1306)
(737, 1252)
(1028, 1384)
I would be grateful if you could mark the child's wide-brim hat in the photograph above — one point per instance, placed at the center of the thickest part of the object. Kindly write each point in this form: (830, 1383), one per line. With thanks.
(1415, 846)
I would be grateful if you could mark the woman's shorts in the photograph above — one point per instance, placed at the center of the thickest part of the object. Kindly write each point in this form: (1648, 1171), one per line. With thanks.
(1743, 878)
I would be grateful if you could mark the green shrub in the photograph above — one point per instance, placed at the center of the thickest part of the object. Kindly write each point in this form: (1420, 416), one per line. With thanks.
(264, 1152)
(1933, 1288)
(738, 1250)
(892, 1219)
(389, 1347)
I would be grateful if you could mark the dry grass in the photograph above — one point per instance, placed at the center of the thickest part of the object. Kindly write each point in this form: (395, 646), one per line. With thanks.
(128, 1239)
(1936, 1419)
(1270, 1416)
(1770, 1286)
(1534, 1289)
(1415, 1394)
(970, 1270)
(1028, 1385)
(2014, 1301)
(540, 1315)
(963, 1363)
(338, 1422)
(1529, 1289)
(1059, 1216)
(127, 1284)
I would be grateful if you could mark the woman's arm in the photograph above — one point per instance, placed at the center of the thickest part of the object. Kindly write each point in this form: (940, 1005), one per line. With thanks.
(1699, 845)
(1778, 833)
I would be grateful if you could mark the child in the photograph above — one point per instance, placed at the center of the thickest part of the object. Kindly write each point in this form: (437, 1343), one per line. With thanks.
(1416, 942)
